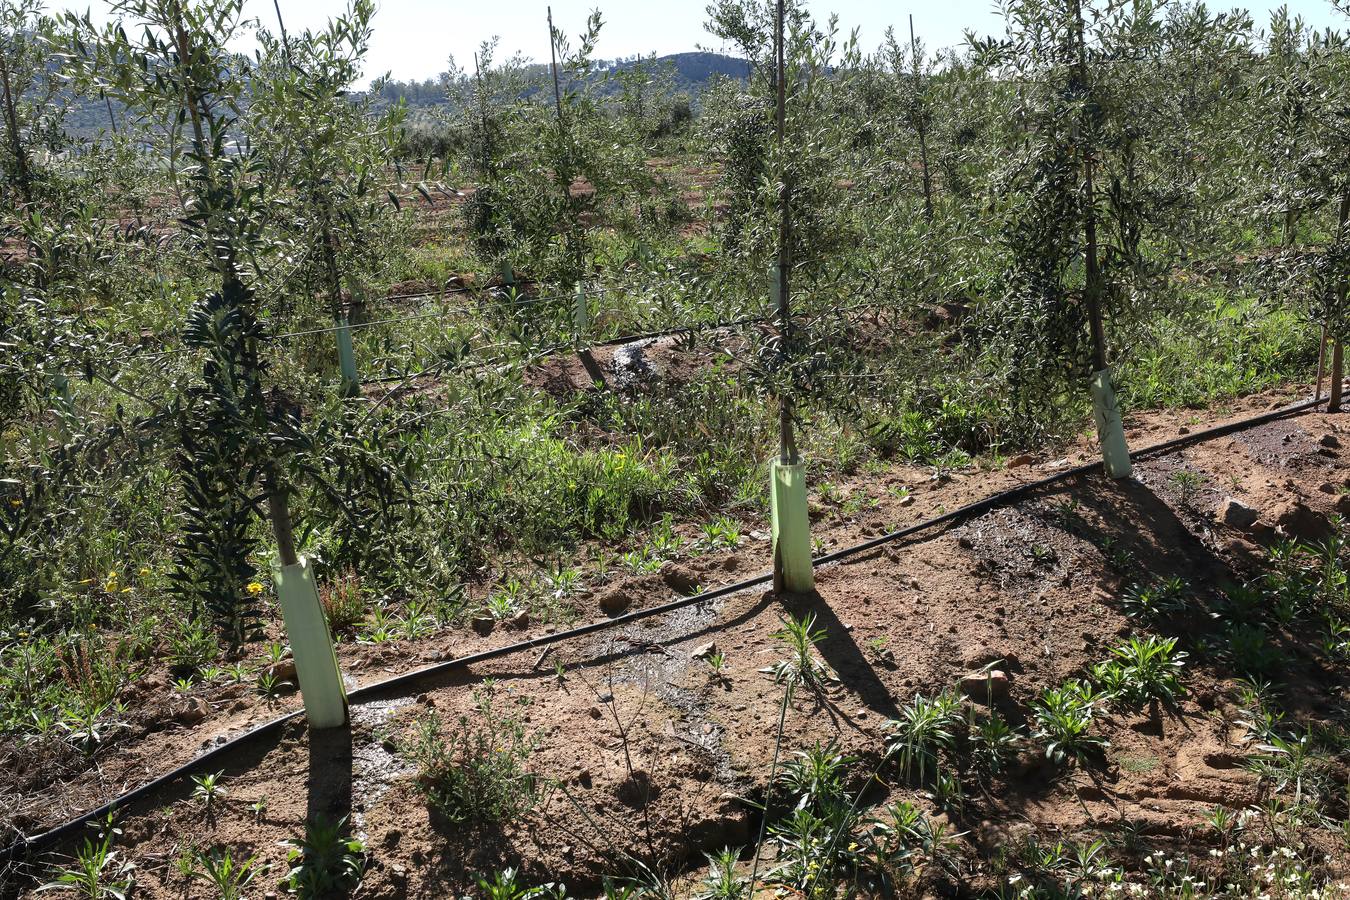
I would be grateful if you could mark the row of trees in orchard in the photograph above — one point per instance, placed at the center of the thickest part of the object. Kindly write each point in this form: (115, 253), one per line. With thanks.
(241, 192)
(1056, 189)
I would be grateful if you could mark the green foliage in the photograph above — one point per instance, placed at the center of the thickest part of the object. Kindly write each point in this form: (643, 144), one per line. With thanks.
(475, 773)
(1142, 670)
(803, 667)
(926, 728)
(97, 872)
(1064, 718)
(325, 862)
(227, 876)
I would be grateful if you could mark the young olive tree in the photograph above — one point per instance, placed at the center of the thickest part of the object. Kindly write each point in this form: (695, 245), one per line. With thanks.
(331, 150)
(1281, 123)
(1075, 208)
(489, 108)
(169, 62)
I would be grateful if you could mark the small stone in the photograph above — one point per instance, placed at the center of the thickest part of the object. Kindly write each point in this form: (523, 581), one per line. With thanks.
(519, 621)
(605, 697)
(392, 838)
(965, 542)
(1235, 513)
(283, 670)
(1330, 440)
(1020, 460)
(680, 579)
(192, 711)
(705, 651)
(483, 624)
(594, 712)
(1183, 430)
(907, 500)
(979, 686)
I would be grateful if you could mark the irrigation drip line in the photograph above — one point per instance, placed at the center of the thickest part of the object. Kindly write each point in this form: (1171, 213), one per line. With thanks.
(29, 846)
(510, 304)
(439, 314)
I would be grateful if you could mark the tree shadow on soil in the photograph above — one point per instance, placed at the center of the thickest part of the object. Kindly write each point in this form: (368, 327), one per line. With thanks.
(329, 780)
(843, 655)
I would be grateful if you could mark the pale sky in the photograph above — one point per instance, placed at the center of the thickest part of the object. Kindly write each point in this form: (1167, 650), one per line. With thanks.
(414, 38)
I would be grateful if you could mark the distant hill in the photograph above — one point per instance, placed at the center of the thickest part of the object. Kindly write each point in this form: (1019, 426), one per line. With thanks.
(692, 74)
(694, 71)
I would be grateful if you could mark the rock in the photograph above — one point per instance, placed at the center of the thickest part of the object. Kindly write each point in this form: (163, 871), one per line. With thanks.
(1183, 430)
(615, 599)
(191, 711)
(1235, 513)
(483, 624)
(637, 790)
(706, 651)
(1020, 460)
(680, 579)
(1343, 505)
(519, 621)
(283, 670)
(907, 500)
(1296, 519)
(965, 542)
(979, 686)
(1330, 440)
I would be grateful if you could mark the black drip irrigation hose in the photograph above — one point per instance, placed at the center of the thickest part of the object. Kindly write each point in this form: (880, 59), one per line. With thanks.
(27, 847)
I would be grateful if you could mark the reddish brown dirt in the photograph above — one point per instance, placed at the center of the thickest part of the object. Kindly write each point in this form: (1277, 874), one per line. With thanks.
(943, 603)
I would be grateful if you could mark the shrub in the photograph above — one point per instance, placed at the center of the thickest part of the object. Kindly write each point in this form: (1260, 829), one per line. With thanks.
(474, 772)
(1064, 718)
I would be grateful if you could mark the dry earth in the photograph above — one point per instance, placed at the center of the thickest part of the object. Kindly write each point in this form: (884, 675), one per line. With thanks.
(652, 755)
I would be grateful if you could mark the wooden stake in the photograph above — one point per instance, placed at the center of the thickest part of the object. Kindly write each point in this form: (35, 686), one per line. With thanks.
(922, 129)
(1337, 376)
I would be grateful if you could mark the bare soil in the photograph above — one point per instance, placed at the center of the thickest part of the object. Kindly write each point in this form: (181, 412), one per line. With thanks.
(651, 755)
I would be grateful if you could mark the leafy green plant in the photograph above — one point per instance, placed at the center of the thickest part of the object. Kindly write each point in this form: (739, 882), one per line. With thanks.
(1149, 602)
(1064, 718)
(1187, 483)
(926, 728)
(97, 871)
(993, 743)
(1146, 669)
(325, 862)
(722, 533)
(227, 876)
(722, 881)
(803, 667)
(475, 771)
(207, 790)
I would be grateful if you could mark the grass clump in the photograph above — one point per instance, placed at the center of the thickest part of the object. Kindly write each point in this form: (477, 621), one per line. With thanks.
(1064, 717)
(474, 772)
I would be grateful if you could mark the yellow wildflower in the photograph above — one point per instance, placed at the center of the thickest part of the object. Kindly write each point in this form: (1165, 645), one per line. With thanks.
(254, 588)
